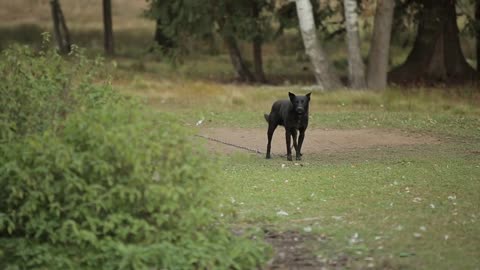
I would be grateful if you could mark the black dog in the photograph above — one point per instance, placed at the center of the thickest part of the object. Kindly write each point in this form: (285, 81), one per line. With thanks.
(293, 115)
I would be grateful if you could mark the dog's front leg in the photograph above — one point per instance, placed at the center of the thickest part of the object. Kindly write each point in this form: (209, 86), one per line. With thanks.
(288, 135)
(300, 141)
(295, 145)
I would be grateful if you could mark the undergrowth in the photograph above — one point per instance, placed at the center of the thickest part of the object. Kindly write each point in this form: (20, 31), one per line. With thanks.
(92, 180)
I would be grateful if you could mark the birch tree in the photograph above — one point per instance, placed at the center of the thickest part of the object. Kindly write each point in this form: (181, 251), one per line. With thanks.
(324, 75)
(356, 67)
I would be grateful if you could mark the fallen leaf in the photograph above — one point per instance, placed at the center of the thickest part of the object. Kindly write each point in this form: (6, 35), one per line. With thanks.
(406, 254)
(307, 229)
(354, 239)
(417, 199)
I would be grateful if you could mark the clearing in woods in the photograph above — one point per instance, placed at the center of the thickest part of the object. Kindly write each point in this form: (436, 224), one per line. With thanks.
(291, 251)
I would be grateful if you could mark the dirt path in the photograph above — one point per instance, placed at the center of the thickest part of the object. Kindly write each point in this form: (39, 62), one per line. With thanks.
(316, 140)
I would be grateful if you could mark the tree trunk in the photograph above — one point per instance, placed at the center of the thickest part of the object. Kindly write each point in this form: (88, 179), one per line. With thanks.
(436, 54)
(257, 60)
(380, 45)
(356, 67)
(62, 35)
(477, 32)
(257, 47)
(161, 39)
(241, 69)
(108, 27)
(324, 75)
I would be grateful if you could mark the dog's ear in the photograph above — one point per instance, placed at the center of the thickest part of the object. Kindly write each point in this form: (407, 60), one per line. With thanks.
(291, 96)
(308, 95)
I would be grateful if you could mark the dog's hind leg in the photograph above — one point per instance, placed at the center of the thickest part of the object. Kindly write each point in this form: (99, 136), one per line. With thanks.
(271, 129)
(288, 135)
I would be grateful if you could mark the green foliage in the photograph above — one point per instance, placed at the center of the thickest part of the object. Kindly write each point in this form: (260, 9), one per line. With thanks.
(40, 88)
(114, 191)
(89, 180)
(189, 18)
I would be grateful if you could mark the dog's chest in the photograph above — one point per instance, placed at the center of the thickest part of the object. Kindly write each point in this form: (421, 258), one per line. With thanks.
(298, 122)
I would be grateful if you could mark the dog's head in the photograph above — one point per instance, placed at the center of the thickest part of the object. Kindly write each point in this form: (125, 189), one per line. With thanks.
(300, 103)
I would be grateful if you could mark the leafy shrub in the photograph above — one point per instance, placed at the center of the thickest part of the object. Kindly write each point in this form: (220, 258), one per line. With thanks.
(40, 88)
(89, 180)
(113, 191)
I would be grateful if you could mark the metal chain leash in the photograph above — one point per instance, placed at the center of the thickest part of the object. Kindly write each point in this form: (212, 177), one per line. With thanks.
(256, 151)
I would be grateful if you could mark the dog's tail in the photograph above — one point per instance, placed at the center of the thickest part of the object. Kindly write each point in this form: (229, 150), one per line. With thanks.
(266, 116)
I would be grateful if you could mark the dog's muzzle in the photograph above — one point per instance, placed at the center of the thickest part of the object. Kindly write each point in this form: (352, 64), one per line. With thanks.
(300, 111)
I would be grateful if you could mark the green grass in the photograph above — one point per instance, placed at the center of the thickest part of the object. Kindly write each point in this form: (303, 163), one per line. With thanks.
(384, 195)
(226, 105)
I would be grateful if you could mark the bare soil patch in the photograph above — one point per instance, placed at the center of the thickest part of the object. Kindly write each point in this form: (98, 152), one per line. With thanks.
(291, 252)
(316, 140)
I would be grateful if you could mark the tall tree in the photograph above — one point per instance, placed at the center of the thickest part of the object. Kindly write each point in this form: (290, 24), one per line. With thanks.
(239, 65)
(356, 67)
(229, 17)
(325, 76)
(108, 27)
(477, 32)
(160, 38)
(226, 17)
(436, 54)
(60, 29)
(257, 41)
(380, 45)
(200, 18)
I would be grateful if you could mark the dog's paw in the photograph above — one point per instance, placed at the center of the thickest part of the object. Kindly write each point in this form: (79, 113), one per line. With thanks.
(268, 156)
(289, 158)
(298, 157)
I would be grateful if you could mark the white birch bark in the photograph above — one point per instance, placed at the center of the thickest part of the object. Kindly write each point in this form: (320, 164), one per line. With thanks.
(326, 78)
(356, 67)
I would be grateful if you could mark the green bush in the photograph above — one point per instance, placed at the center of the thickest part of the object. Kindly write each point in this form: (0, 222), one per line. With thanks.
(113, 191)
(40, 88)
(89, 180)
